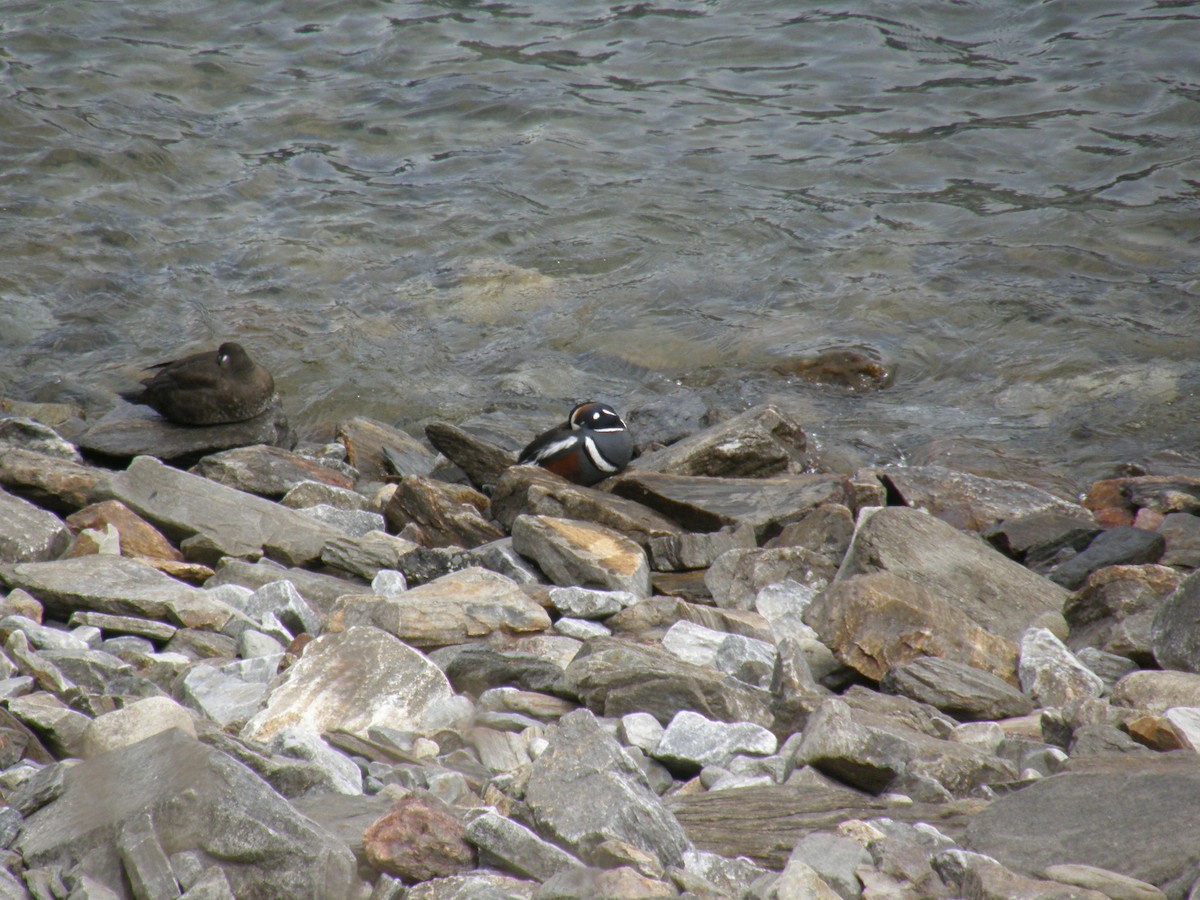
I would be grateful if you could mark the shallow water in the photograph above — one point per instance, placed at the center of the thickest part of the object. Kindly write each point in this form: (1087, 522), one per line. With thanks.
(409, 210)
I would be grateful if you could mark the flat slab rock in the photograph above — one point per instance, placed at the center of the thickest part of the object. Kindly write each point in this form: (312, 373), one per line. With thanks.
(709, 504)
(1135, 818)
(128, 431)
(759, 442)
(266, 470)
(118, 586)
(214, 521)
(1001, 596)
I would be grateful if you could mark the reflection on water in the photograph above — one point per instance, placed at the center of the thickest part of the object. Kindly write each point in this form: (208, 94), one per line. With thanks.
(433, 209)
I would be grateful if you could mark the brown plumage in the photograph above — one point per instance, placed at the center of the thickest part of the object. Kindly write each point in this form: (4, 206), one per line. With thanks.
(210, 388)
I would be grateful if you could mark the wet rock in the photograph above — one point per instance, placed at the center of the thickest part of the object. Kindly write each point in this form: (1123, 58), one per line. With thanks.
(115, 585)
(999, 595)
(365, 555)
(972, 502)
(1114, 611)
(691, 742)
(1181, 531)
(195, 799)
(213, 520)
(1123, 545)
(138, 537)
(878, 621)
(136, 722)
(19, 432)
(615, 677)
(1050, 674)
(1174, 636)
(444, 515)
(128, 431)
(708, 504)
(28, 533)
(353, 681)
(581, 760)
(366, 442)
(482, 461)
(266, 471)
(1069, 816)
(1042, 539)
(759, 442)
(583, 554)
(453, 609)
(957, 689)
(508, 845)
(737, 577)
(52, 482)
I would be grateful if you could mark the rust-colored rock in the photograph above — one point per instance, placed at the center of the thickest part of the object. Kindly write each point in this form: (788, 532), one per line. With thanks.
(1157, 733)
(418, 840)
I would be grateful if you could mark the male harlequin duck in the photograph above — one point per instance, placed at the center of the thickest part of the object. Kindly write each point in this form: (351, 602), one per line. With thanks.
(210, 388)
(591, 445)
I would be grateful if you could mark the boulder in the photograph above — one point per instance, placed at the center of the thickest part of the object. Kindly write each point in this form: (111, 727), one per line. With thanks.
(736, 578)
(1051, 675)
(580, 553)
(266, 471)
(482, 461)
(364, 556)
(29, 533)
(957, 689)
(377, 450)
(443, 515)
(759, 442)
(52, 482)
(1174, 635)
(138, 537)
(1181, 531)
(1115, 609)
(419, 839)
(1120, 546)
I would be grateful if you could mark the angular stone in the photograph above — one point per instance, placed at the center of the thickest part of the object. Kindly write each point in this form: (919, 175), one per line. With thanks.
(372, 446)
(1112, 885)
(128, 431)
(746, 659)
(615, 677)
(143, 859)
(198, 799)
(215, 520)
(976, 875)
(354, 522)
(445, 515)
(510, 846)
(587, 883)
(875, 622)
(364, 556)
(1181, 531)
(708, 504)
(835, 858)
(18, 432)
(579, 553)
(689, 550)
(957, 689)
(999, 595)
(340, 773)
(219, 695)
(586, 603)
(759, 442)
(1040, 539)
(1114, 611)
(266, 471)
(134, 723)
(419, 839)
(737, 577)
(972, 502)
(1050, 674)
(28, 533)
(475, 668)
(482, 461)
(1070, 816)
(1174, 635)
(691, 742)
(138, 537)
(582, 761)
(53, 483)
(282, 600)
(321, 591)
(1157, 691)
(572, 501)
(354, 681)
(118, 586)
(1119, 546)
(453, 609)
(652, 618)
(311, 493)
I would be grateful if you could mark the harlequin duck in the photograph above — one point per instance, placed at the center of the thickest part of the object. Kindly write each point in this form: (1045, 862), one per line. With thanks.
(210, 388)
(591, 445)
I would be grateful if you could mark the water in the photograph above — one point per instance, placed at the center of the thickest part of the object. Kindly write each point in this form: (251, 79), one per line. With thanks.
(411, 210)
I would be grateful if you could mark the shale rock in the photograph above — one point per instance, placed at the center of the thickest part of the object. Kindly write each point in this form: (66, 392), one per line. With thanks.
(482, 461)
(444, 515)
(52, 482)
(1115, 610)
(138, 537)
(759, 442)
(1174, 635)
(27, 533)
(266, 471)
(957, 689)
(376, 449)
(1119, 546)
(583, 554)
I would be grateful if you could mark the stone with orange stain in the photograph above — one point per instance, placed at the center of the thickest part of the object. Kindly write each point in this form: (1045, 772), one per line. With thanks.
(571, 552)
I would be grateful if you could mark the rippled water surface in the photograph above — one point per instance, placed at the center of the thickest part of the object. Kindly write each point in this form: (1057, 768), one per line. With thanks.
(410, 210)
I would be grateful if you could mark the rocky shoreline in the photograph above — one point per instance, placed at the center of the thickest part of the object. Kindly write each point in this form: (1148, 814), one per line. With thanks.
(387, 667)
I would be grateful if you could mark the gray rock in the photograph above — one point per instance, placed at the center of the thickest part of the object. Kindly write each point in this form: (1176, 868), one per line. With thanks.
(689, 550)
(835, 859)
(482, 461)
(1181, 531)
(640, 730)
(473, 886)
(1174, 636)
(582, 761)
(691, 742)
(1040, 540)
(220, 696)
(746, 659)
(1050, 674)
(269, 472)
(28, 533)
(1119, 546)
(253, 644)
(508, 845)
(756, 443)
(40, 636)
(1114, 611)
(364, 556)
(51, 482)
(499, 556)
(1069, 817)
(1156, 691)
(353, 681)
(314, 493)
(128, 431)
(212, 520)
(194, 798)
(24, 433)
(709, 504)
(354, 522)
(1110, 667)
(134, 723)
(580, 553)
(999, 595)
(453, 609)
(1111, 884)
(587, 603)
(614, 677)
(129, 625)
(287, 605)
(341, 774)
(976, 875)
(737, 577)
(321, 591)
(581, 629)
(377, 450)
(959, 690)
(533, 664)
(799, 879)
(389, 583)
